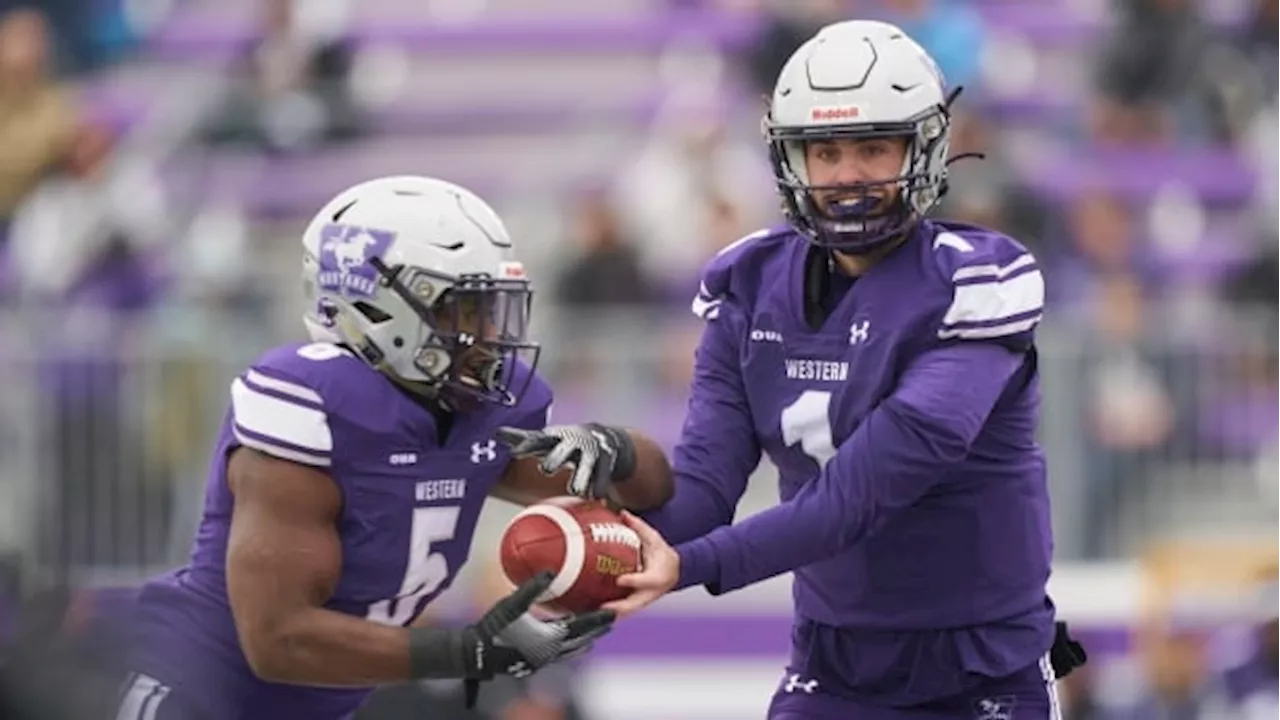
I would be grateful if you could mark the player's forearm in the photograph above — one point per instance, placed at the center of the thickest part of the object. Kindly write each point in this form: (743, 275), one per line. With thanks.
(898, 453)
(323, 647)
(650, 483)
(884, 467)
(692, 513)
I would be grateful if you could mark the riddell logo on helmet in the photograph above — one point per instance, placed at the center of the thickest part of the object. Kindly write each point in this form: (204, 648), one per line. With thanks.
(511, 270)
(835, 113)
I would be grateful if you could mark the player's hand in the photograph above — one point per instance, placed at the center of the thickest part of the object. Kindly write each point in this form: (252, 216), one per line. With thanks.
(661, 570)
(508, 640)
(517, 643)
(599, 455)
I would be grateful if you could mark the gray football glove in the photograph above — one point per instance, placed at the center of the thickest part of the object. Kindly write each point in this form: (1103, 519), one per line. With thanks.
(529, 644)
(599, 455)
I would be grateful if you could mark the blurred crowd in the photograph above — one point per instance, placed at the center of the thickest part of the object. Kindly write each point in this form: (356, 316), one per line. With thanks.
(157, 161)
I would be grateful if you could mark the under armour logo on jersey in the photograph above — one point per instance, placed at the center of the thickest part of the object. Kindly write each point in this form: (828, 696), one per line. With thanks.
(520, 669)
(796, 683)
(858, 332)
(484, 452)
(997, 708)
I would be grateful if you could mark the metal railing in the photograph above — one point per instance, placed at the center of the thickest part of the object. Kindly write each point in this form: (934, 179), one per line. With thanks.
(106, 424)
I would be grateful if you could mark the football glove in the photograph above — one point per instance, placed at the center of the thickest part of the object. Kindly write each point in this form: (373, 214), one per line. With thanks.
(1066, 654)
(600, 456)
(506, 640)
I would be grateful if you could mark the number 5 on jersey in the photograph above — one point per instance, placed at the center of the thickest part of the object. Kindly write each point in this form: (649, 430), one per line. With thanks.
(807, 421)
(424, 570)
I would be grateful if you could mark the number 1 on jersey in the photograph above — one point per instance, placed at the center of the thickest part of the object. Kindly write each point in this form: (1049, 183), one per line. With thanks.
(808, 421)
(425, 570)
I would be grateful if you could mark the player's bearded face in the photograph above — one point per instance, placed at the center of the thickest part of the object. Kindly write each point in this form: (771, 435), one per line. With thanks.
(855, 178)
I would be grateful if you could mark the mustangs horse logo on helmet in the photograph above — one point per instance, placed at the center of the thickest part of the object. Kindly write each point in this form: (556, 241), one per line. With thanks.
(345, 251)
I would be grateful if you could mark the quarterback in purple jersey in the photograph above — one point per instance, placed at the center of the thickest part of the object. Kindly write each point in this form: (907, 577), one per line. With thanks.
(886, 364)
(349, 473)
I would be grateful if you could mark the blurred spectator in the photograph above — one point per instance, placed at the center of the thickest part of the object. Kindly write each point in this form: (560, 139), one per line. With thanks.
(605, 277)
(788, 23)
(88, 34)
(85, 258)
(1175, 676)
(691, 177)
(1258, 45)
(1099, 236)
(1250, 688)
(950, 30)
(987, 191)
(1258, 42)
(606, 271)
(1257, 285)
(290, 88)
(37, 119)
(1128, 411)
(1164, 71)
(96, 222)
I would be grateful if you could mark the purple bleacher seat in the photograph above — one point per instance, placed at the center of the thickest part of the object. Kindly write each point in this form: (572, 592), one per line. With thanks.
(191, 36)
(1215, 175)
(1241, 424)
(1224, 248)
(1041, 108)
(292, 187)
(1040, 23)
(123, 108)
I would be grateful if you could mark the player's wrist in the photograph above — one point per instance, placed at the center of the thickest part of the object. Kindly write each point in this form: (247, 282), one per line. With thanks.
(696, 564)
(624, 461)
(436, 652)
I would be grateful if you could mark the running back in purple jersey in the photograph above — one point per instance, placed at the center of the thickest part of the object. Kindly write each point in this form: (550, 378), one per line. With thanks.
(909, 606)
(410, 505)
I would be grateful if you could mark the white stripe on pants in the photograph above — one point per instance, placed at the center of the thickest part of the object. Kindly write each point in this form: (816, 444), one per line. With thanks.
(142, 698)
(1051, 686)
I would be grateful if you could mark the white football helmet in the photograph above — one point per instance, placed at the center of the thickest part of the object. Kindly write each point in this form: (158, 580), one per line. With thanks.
(418, 277)
(855, 79)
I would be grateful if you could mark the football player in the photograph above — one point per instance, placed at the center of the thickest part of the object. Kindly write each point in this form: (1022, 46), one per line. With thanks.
(349, 473)
(886, 363)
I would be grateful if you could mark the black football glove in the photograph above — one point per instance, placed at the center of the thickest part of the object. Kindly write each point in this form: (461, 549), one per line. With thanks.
(600, 456)
(1066, 654)
(506, 640)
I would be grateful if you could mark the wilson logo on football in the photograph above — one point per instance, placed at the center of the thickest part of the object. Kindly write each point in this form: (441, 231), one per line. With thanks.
(835, 113)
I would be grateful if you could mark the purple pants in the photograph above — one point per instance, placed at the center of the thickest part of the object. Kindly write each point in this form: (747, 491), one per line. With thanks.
(1026, 695)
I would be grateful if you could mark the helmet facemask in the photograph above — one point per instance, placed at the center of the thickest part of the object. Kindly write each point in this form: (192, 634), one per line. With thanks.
(473, 334)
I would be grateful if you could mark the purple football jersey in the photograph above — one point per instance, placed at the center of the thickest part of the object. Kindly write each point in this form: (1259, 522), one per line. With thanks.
(410, 505)
(925, 576)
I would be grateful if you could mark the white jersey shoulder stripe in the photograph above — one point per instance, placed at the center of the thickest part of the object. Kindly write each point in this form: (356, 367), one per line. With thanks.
(278, 424)
(706, 309)
(993, 301)
(300, 392)
(989, 332)
(992, 270)
(279, 450)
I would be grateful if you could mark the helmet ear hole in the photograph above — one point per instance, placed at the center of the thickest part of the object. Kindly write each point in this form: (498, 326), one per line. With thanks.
(373, 313)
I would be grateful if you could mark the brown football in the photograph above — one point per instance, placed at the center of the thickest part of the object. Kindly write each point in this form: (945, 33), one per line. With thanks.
(585, 544)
